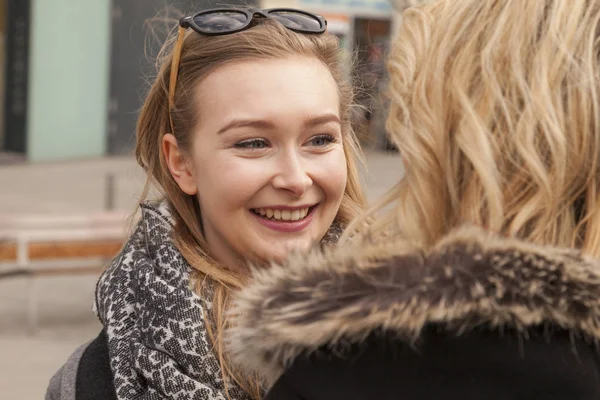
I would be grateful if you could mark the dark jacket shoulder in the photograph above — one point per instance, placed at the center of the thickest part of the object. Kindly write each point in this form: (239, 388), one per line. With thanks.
(476, 316)
(86, 375)
(482, 364)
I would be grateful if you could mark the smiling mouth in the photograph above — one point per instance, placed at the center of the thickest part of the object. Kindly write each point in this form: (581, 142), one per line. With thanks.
(283, 215)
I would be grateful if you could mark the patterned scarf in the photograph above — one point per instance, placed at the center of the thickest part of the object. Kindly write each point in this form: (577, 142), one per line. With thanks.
(157, 338)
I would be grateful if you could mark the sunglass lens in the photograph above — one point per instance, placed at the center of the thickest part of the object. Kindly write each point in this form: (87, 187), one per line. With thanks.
(297, 21)
(220, 21)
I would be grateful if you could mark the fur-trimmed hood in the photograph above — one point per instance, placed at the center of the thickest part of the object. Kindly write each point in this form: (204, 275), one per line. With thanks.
(470, 278)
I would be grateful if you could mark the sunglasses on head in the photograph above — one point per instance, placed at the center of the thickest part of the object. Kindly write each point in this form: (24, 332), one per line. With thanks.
(224, 21)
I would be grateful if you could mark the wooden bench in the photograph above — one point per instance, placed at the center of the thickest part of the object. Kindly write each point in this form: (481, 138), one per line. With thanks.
(45, 245)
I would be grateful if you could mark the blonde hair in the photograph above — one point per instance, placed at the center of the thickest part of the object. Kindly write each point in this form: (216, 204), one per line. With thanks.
(200, 55)
(495, 109)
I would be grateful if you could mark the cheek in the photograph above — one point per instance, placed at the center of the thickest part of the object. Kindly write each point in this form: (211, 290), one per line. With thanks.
(227, 182)
(333, 175)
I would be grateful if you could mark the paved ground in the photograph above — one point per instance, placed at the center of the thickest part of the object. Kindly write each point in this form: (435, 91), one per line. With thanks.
(65, 320)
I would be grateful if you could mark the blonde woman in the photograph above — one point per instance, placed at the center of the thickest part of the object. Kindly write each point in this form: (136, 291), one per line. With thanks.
(246, 131)
(482, 281)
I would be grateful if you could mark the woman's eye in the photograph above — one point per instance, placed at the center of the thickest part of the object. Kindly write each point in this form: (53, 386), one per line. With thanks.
(253, 144)
(322, 140)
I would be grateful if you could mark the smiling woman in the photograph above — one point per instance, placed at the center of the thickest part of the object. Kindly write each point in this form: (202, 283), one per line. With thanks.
(246, 130)
(287, 158)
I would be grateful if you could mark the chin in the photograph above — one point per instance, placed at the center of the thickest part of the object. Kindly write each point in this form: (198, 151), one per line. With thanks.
(281, 256)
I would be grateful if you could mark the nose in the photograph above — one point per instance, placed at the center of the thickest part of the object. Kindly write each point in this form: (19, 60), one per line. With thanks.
(291, 175)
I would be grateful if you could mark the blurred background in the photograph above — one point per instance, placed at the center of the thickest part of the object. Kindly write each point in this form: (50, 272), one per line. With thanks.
(73, 75)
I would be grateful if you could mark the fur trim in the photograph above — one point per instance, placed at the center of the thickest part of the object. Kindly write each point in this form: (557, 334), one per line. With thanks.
(468, 279)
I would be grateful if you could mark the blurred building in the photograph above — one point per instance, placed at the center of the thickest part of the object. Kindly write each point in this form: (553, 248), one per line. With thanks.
(56, 75)
(74, 71)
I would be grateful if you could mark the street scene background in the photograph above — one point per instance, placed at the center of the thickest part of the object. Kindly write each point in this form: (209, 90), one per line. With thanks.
(70, 94)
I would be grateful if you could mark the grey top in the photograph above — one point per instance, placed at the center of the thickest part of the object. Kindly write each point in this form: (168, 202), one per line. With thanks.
(62, 385)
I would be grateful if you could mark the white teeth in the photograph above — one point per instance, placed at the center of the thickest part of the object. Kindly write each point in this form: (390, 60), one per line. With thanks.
(295, 215)
(284, 215)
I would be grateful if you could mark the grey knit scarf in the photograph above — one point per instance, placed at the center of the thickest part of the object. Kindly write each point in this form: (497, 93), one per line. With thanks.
(158, 343)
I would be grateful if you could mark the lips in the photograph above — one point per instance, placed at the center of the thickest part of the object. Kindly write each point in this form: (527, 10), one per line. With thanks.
(285, 219)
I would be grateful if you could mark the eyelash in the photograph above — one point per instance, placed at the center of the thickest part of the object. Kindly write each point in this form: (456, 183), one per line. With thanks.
(254, 144)
(249, 144)
(328, 138)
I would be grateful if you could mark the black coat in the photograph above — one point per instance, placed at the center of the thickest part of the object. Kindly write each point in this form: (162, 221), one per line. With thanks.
(481, 365)
(476, 317)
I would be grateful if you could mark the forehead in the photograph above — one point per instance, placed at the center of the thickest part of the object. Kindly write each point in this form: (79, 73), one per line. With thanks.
(297, 85)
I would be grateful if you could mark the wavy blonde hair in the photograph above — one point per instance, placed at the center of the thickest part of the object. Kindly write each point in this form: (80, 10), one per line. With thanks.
(200, 55)
(495, 109)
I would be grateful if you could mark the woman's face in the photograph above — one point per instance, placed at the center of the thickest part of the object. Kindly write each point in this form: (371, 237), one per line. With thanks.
(267, 161)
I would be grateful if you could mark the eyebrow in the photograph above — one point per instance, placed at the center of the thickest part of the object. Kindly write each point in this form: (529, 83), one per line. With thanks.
(247, 123)
(310, 121)
(321, 120)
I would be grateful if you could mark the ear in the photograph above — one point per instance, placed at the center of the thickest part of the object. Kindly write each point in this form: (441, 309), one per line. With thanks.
(181, 167)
